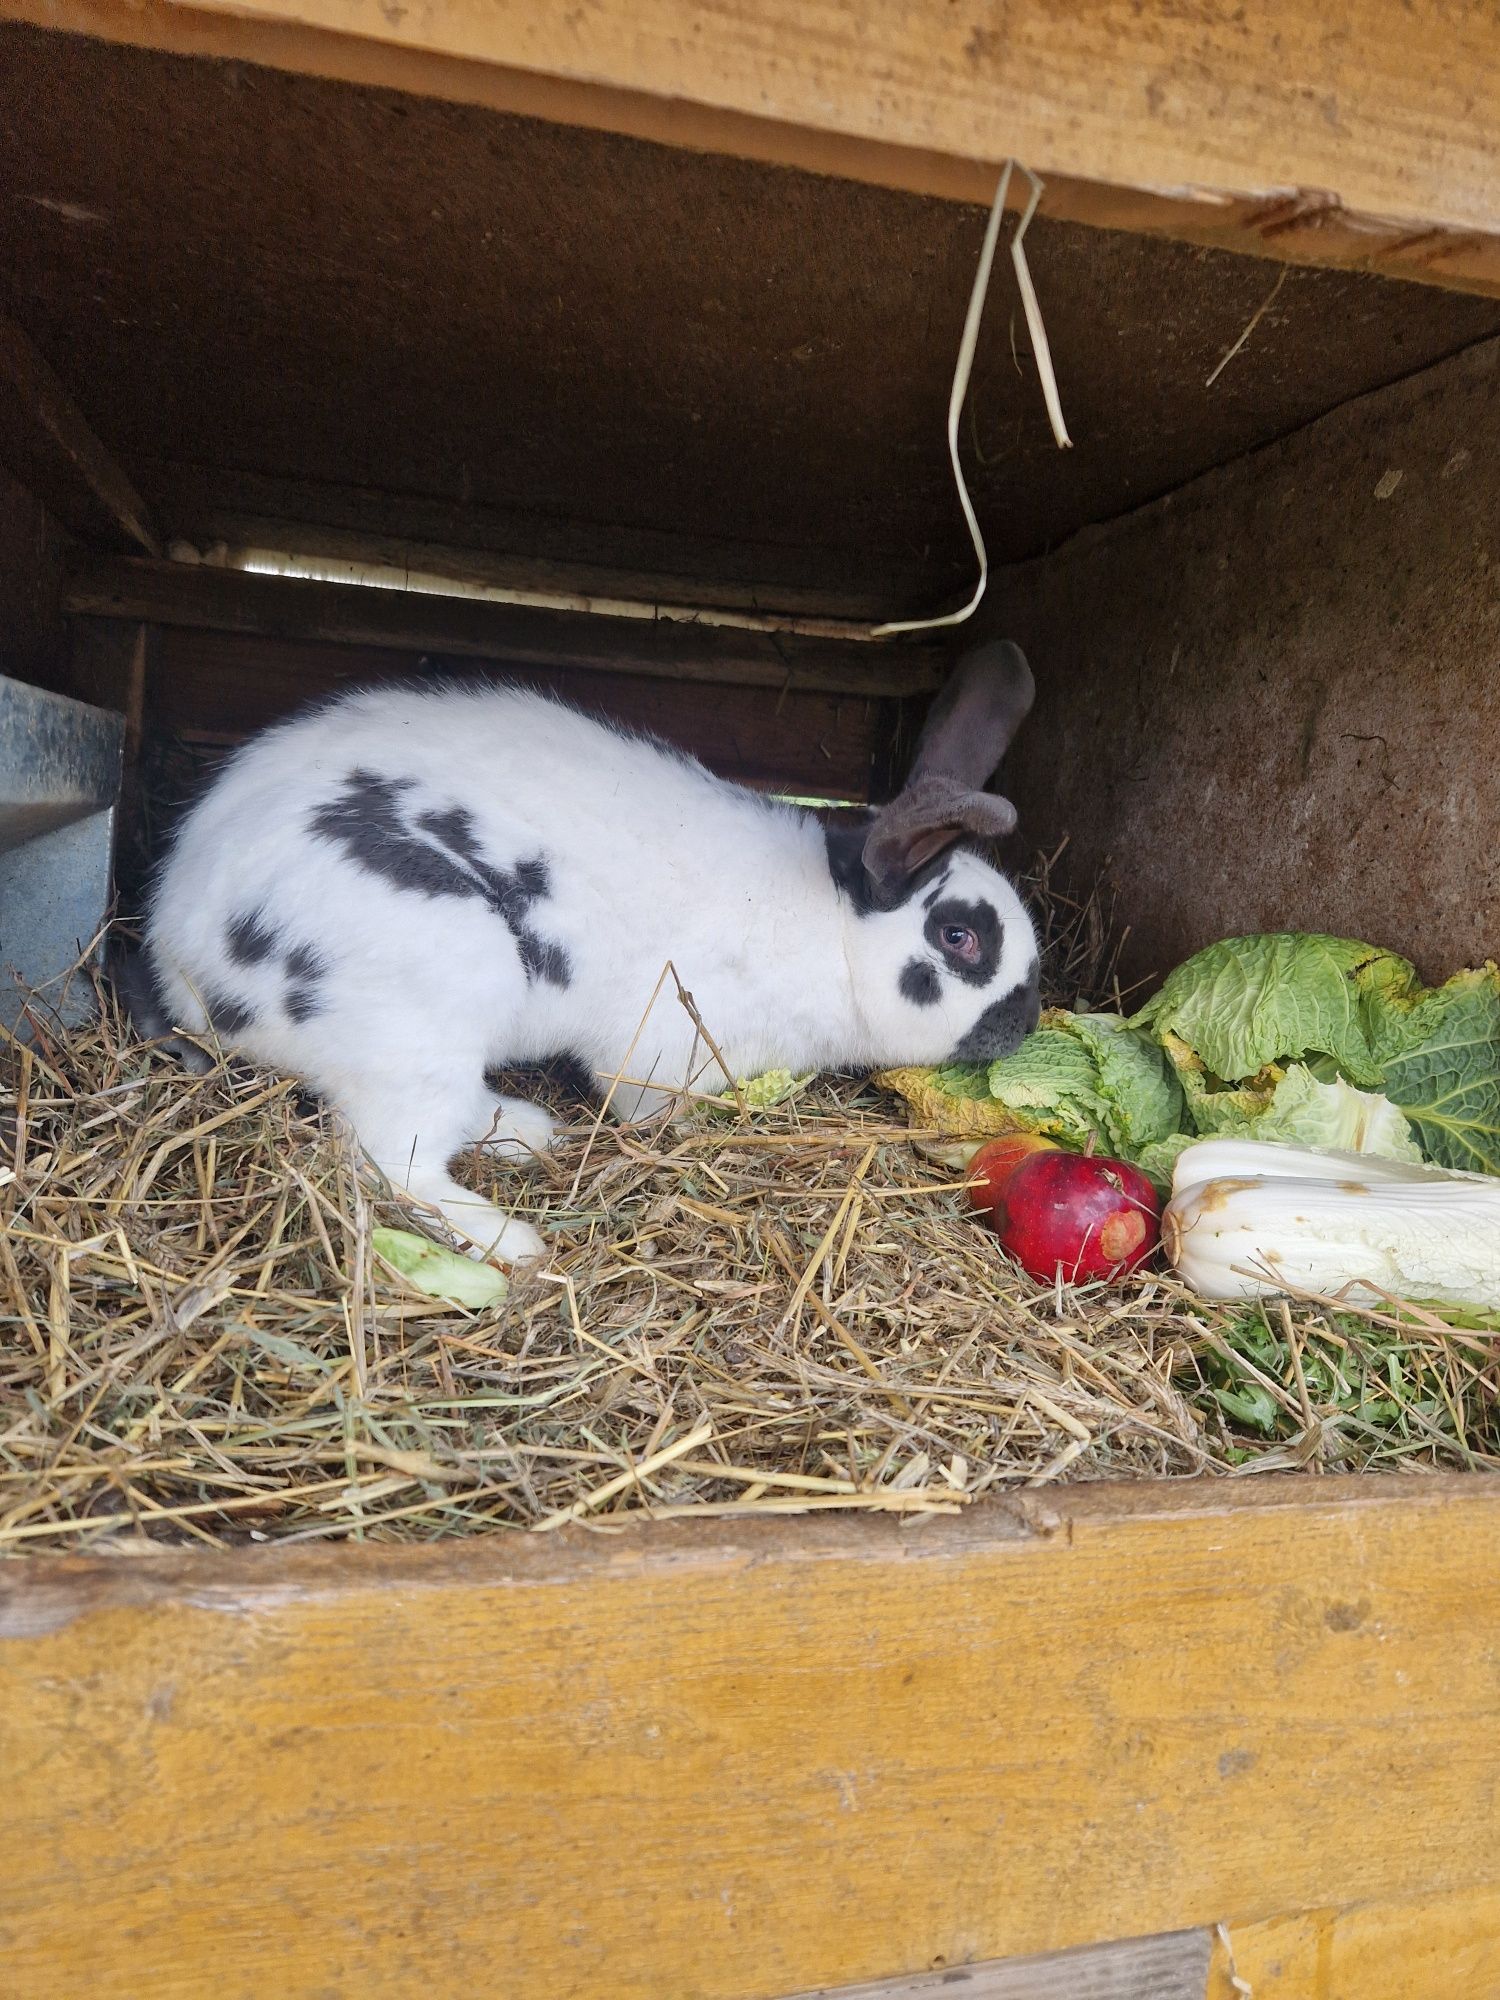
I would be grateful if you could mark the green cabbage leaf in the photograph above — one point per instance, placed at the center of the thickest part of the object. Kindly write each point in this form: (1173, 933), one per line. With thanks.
(1302, 1039)
(1439, 1056)
(1247, 1002)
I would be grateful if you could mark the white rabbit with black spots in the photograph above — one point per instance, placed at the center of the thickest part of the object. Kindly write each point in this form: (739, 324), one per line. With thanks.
(396, 892)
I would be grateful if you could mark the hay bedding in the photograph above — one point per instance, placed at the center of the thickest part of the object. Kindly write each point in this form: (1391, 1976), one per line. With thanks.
(776, 1312)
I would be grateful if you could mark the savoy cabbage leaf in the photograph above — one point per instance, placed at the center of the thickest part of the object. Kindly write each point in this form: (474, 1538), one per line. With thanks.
(1248, 1002)
(1439, 1055)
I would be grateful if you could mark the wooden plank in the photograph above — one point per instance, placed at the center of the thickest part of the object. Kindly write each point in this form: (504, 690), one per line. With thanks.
(33, 552)
(485, 546)
(280, 607)
(1353, 134)
(109, 662)
(1158, 1968)
(54, 448)
(1358, 659)
(217, 687)
(1430, 1948)
(107, 667)
(736, 1761)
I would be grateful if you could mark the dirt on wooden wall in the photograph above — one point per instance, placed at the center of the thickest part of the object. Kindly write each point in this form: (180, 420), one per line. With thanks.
(1271, 701)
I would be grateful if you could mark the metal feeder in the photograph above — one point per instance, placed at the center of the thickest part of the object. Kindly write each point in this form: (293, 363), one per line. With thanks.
(59, 783)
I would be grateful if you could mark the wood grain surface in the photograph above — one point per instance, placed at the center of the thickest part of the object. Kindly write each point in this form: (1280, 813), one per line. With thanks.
(1425, 1948)
(1355, 132)
(715, 1764)
(1174, 1967)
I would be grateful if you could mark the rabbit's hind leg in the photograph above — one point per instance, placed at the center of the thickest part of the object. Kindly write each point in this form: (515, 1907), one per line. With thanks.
(515, 1128)
(412, 1131)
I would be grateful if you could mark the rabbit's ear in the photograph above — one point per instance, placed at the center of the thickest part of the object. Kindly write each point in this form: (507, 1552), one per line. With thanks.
(975, 715)
(930, 814)
(969, 728)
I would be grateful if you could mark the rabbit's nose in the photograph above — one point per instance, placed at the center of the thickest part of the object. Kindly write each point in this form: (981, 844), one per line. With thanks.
(1002, 1027)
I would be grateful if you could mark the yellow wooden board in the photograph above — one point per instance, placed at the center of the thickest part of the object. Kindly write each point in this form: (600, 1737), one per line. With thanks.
(1353, 132)
(1433, 1948)
(713, 1763)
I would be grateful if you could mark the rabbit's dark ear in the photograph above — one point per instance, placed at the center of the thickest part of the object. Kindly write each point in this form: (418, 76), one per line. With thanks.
(931, 814)
(969, 728)
(975, 715)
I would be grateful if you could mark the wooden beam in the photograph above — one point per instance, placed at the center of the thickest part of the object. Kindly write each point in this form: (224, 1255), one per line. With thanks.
(226, 600)
(258, 512)
(1357, 133)
(738, 1760)
(1428, 1948)
(215, 688)
(53, 448)
(110, 662)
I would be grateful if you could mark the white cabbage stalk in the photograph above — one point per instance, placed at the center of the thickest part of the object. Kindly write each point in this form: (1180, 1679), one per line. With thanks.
(1248, 1220)
(1260, 1159)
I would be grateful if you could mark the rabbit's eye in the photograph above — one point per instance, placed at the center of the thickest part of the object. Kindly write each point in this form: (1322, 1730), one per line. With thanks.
(961, 943)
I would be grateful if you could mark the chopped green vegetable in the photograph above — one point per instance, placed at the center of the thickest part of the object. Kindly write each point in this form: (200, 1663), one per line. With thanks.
(956, 1100)
(1334, 1118)
(1370, 1386)
(1088, 1079)
(760, 1093)
(440, 1273)
(1213, 1106)
(962, 1080)
(773, 1087)
(1051, 1085)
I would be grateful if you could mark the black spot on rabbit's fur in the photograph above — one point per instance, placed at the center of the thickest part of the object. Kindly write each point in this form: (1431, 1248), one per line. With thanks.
(565, 1077)
(533, 878)
(227, 1015)
(366, 821)
(510, 893)
(303, 963)
(845, 843)
(1002, 1027)
(302, 1002)
(454, 826)
(983, 920)
(305, 971)
(543, 960)
(920, 983)
(250, 939)
(574, 1076)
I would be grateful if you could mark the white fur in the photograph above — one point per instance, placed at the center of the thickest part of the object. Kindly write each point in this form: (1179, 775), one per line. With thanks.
(650, 860)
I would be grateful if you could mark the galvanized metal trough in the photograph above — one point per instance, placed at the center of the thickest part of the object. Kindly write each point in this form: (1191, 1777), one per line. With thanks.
(59, 783)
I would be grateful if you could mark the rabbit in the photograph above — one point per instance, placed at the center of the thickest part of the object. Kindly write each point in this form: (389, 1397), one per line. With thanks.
(410, 885)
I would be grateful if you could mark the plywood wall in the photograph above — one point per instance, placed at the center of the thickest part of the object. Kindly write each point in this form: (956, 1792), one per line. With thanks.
(32, 638)
(1272, 700)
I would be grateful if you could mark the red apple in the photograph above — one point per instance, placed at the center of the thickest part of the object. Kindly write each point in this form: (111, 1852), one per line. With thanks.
(1090, 1218)
(997, 1159)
